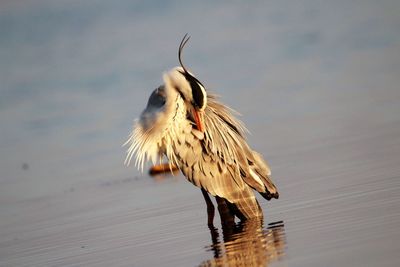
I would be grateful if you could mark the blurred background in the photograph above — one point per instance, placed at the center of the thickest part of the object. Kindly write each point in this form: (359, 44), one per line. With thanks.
(75, 74)
(316, 82)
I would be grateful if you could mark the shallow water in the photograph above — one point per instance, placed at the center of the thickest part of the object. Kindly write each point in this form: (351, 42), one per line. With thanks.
(317, 86)
(339, 206)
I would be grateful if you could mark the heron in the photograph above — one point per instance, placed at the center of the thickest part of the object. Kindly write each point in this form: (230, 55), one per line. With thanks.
(203, 138)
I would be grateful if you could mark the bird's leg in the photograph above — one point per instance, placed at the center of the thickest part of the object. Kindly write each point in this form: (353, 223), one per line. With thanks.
(227, 217)
(210, 208)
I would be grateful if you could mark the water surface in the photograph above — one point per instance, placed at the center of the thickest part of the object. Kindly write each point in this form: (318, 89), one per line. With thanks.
(317, 85)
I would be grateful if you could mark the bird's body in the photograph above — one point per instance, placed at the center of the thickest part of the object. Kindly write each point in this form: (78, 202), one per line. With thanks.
(205, 141)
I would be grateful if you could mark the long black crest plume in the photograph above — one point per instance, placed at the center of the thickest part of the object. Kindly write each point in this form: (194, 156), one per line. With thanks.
(181, 46)
(199, 94)
(188, 76)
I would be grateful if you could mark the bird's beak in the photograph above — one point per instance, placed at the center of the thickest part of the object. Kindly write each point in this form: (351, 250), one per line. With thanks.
(198, 118)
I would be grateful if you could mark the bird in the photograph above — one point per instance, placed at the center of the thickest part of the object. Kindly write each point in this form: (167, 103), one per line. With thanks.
(203, 138)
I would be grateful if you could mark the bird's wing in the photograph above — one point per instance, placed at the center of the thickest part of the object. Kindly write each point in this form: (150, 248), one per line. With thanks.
(220, 161)
(210, 172)
(226, 139)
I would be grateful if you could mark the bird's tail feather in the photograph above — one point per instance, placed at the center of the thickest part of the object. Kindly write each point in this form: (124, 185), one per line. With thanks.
(263, 172)
(246, 205)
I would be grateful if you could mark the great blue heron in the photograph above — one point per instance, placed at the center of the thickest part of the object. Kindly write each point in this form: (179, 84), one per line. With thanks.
(202, 137)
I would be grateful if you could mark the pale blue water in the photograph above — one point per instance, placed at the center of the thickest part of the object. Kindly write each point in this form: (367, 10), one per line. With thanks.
(317, 84)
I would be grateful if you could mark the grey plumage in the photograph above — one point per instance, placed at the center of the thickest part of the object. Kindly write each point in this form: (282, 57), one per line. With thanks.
(218, 160)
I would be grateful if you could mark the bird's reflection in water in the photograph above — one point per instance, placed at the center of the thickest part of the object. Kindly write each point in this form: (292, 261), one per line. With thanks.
(247, 243)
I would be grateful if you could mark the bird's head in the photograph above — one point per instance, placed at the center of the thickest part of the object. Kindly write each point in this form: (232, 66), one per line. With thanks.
(180, 95)
(189, 88)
